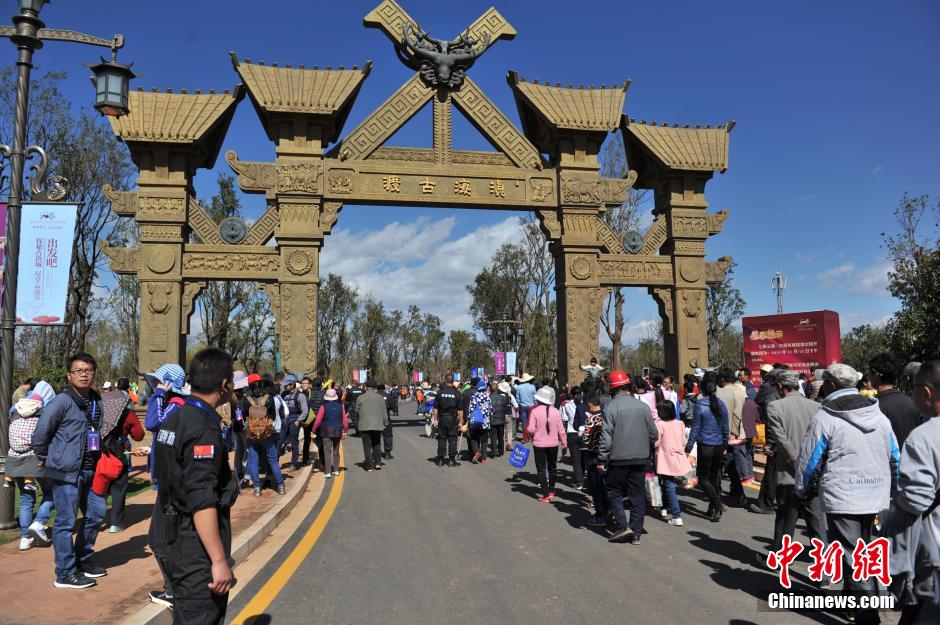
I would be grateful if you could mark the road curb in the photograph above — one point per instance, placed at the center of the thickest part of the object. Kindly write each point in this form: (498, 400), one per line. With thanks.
(242, 546)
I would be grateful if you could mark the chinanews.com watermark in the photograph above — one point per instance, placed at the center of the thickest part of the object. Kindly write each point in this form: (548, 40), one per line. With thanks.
(869, 566)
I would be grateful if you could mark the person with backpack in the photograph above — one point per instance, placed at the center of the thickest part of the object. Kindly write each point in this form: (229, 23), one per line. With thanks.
(297, 413)
(331, 425)
(500, 394)
(689, 397)
(260, 432)
(480, 410)
(544, 427)
(25, 471)
(166, 389)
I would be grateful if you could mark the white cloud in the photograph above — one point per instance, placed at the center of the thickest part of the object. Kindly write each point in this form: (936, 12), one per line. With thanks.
(417, 263)
(871, 280)
(876, 171)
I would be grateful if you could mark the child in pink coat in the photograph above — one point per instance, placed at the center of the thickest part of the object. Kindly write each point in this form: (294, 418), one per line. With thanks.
(671, 461)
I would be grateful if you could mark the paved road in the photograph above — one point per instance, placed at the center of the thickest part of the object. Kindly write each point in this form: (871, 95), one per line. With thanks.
(419, 544)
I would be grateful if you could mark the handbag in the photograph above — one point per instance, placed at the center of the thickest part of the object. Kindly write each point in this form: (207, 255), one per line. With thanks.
(761, 438)
(519, 456)
(654, 491)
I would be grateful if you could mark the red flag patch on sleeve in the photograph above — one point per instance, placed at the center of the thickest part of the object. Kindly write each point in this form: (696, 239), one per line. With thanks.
(202, 452)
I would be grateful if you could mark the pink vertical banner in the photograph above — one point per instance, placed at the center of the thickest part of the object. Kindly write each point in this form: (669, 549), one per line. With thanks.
(414, 376)
(499, 362)
(356, 375)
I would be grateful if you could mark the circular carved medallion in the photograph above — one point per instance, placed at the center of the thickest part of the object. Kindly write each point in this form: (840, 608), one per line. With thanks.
(691, 269)
(633, 241)
(299, 262)
(581, 268)
(161, 259)
(233, 230)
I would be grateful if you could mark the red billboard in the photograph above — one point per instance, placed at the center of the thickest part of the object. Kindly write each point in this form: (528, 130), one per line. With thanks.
(804, 341)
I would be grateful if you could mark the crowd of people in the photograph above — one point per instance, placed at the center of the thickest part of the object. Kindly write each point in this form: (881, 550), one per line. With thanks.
(849, 461)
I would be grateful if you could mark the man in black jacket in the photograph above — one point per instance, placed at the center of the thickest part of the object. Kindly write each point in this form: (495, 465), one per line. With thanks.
(897, 406)
(313, 390)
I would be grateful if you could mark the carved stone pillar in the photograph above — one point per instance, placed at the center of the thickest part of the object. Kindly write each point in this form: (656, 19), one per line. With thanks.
(162, 339)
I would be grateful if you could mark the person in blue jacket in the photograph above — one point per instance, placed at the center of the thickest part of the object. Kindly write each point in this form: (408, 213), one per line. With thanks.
(710, 433)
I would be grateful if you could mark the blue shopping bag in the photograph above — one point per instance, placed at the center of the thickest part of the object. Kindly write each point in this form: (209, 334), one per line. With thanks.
(519, 456)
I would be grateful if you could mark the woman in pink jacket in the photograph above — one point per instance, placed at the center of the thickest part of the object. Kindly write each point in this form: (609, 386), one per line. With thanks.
(671, 461)
(545, 429)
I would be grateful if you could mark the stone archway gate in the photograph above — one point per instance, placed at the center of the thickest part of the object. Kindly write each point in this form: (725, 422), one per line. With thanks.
(551, 168)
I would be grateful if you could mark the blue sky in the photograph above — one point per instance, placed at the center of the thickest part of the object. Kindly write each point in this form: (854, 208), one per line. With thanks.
(835, 104)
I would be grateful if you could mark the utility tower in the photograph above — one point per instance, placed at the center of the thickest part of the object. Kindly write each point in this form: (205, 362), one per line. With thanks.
(779, 284)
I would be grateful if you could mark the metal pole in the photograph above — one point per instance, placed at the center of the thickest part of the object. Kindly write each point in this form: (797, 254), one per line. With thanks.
(27, 24)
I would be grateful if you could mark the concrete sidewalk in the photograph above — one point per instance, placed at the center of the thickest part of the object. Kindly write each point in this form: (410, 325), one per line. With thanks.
(27, 594)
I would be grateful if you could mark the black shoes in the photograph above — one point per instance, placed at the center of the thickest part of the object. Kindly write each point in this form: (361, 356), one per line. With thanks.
(715, 516)
(635, 539)
(161, 598)
(280, 489)
(622, 536)
(388, 455)
(90, 570)
(439, 461)
(75, 579)
(453, 463)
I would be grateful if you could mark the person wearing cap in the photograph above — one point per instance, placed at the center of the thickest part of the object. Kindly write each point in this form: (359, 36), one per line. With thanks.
(852, 453)
(106, 386)
(547, 432)
(330, 426)
(525, 396)
(624, 451)
(262, 444)
(448, 419)
(788, 420)
(297, 413)
(197, 491)
(67, 439)
(480, 427)
(167, 392)
(373, 419)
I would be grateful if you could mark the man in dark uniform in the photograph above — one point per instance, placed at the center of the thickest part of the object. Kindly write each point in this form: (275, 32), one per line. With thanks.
(197, 489)
(352, 394)
(448, 419)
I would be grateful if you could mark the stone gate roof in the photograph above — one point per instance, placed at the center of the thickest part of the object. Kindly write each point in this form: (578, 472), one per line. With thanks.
(572, 108)
(174, 117)
(689, 148)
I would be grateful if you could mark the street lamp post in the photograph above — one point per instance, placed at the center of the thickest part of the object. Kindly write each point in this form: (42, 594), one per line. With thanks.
(27, 34)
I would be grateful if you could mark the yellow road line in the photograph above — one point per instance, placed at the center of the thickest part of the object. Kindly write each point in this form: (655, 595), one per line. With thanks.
(260, 602)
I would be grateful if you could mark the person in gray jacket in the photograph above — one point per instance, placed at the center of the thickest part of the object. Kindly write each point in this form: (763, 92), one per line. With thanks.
(852, 450)
(788, 421)
(623, 454)
(913, 524)
(373, 418)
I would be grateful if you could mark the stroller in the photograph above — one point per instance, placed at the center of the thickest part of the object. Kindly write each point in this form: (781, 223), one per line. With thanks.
(429, 417)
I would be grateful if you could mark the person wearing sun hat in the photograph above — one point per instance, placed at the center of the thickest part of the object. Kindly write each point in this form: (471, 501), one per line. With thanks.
(547, 432)
(525, 395)
(331, 425)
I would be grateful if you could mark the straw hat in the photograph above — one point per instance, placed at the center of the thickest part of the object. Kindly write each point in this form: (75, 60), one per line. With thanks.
(545, 395)
(526, 377)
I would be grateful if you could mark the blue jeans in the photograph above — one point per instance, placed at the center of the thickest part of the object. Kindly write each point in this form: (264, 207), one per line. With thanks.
(69, 498)
(28, 500)
(293, 435)
(670, 500)
(627, 484)
(524, 416)
(268, 448)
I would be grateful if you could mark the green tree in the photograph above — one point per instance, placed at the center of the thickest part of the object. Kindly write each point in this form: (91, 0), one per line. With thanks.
(914, 252)
(861, 344)
(724, 306)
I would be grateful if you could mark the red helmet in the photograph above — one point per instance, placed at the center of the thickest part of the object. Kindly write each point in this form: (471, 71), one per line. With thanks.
(618, 378)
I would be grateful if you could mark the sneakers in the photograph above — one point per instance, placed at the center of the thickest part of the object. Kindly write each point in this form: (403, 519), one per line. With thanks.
(635, 539)
(161, 598)
(335, 473)
(551, 495)
(280, 489)
(38, 531)
(663, 513)
(621, 536)
(26, 543)
(378, 467)
(677, 521)
(256, 491)
(114, 529)
(90, 570)
(327, 476)
(75, 579)
(597, 521)
(545, 499)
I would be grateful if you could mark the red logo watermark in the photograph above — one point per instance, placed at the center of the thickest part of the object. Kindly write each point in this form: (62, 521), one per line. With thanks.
(869, 560)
